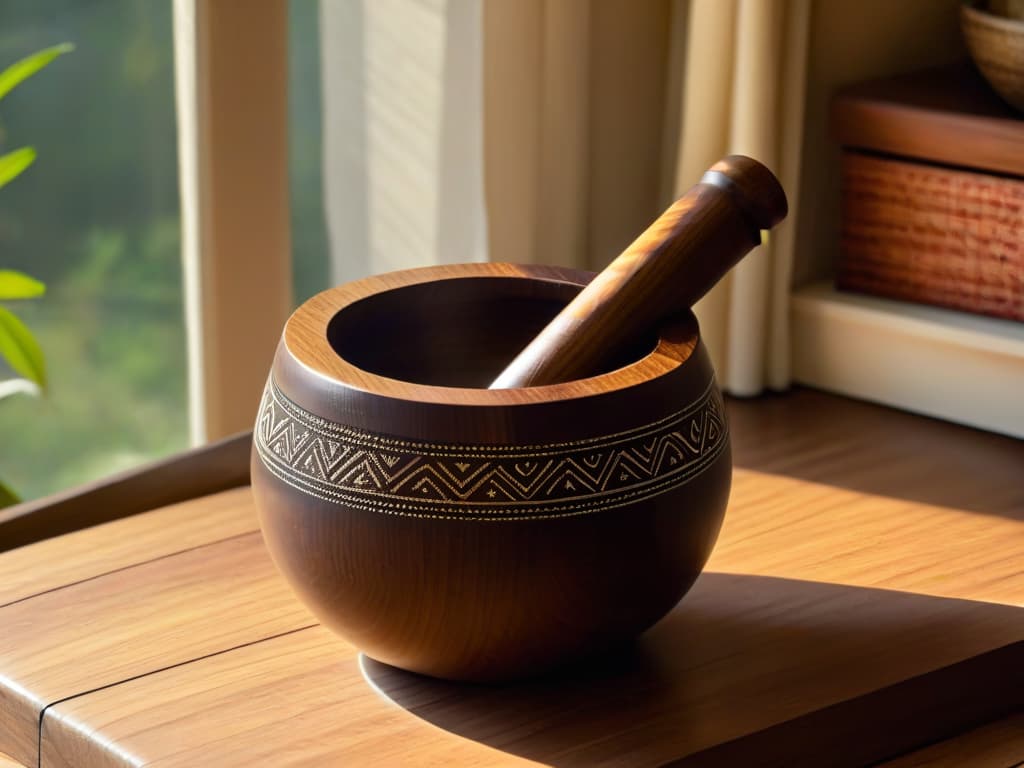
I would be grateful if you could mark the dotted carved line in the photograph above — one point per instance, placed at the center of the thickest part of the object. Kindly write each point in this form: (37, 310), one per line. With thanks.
(480, 514)
(372, 440)
(274, 427)
(683, 471)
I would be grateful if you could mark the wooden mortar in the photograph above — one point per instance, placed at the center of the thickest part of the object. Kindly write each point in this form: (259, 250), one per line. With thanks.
(485, 534)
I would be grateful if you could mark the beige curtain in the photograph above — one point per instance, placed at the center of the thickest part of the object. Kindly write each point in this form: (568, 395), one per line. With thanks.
(577, 121)
(598, 114)
(403, 131)
(574, 108)
(743, 92)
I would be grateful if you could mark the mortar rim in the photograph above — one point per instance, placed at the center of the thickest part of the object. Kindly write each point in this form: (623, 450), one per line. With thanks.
(305, 341)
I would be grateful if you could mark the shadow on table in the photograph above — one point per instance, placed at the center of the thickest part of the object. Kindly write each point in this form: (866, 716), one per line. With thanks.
(752, 670)
(869, 448)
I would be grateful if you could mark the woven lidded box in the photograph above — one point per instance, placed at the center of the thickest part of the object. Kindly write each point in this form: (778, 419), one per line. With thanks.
(932, 192)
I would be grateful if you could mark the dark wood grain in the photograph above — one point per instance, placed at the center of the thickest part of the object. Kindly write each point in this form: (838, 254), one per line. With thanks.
(200, 471)
(664, 271)
(995, 745)
(972, 692)
(472, 533)
(948, 116)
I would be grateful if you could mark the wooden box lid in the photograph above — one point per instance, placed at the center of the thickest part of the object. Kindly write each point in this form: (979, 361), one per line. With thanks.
(947, 115)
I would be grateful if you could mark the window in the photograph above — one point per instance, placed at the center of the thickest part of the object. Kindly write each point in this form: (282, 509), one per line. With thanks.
(310, 264)
(97, 219)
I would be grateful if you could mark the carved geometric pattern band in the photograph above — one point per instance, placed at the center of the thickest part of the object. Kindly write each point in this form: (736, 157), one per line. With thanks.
(391, 475)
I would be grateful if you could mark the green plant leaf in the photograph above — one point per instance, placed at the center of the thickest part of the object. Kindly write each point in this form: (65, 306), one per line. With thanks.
(7, 496)
(18, 285)
(13, 163)
(25, 68)
(19, 347)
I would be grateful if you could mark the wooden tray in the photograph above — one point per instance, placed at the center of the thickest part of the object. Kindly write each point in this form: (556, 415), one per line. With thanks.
(863, 600)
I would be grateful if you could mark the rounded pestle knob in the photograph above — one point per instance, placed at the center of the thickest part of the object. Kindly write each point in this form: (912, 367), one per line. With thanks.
(667, 269)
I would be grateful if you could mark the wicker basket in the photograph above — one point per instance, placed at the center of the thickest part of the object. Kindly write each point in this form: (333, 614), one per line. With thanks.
(933, 235)
(933, 192)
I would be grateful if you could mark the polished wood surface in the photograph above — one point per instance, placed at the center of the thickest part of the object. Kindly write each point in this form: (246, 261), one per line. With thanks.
(864, 600)
(678, 259)
(299, 700)
(994, 745)
(312, 335)
(891, 456)
(135, 619)
(495, 538)
(948, 116)
(147, 536)
(207, 469)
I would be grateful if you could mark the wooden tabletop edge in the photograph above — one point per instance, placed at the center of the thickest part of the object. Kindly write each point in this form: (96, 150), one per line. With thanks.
(197, 472)
(947, 702)
(130, 566)
(47, 710)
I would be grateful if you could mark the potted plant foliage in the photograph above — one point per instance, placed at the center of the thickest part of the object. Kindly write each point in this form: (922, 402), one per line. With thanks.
(18, 347)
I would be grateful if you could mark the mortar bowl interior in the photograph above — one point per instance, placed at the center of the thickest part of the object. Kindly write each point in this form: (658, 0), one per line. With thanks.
(459, 332)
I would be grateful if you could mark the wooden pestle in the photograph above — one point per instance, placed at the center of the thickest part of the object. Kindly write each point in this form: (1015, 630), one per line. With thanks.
(667, 269)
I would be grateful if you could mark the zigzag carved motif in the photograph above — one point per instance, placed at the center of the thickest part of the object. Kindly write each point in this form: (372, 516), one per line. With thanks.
(390, 475)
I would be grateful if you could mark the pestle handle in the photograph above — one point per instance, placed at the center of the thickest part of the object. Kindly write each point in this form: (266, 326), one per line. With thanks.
(668, 268)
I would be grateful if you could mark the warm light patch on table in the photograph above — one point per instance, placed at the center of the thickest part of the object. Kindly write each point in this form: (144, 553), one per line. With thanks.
(786, 527)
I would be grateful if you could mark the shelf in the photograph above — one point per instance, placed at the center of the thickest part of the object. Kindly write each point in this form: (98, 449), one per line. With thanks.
(948, 116)
(953, 365)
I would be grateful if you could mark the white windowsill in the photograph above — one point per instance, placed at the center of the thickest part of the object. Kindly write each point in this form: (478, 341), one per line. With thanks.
(956, 366)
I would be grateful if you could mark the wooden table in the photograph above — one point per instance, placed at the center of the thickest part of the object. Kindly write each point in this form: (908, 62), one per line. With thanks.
(863, 604)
